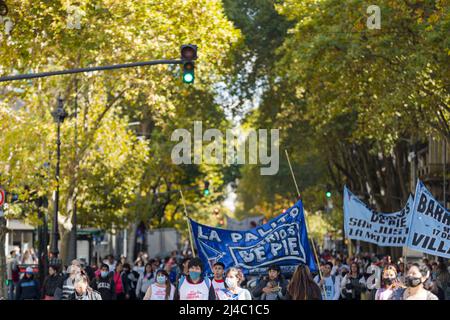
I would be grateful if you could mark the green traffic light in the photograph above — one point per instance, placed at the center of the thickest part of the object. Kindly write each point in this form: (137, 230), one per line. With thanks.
(328, 194)
(188, 77)
(206, 192)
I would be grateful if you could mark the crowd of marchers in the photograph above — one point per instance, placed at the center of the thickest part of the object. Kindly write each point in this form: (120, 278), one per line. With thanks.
(183, 277)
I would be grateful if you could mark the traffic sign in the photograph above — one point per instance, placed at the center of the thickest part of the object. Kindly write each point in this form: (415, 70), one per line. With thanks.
(2, 197)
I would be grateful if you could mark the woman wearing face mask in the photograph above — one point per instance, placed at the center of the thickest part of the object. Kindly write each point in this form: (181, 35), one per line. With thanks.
(195, 286)
(139, 267)
(162, 289)
(104, 284)
(389, 284)
(415, 278)
(145, 280)
(232, 290)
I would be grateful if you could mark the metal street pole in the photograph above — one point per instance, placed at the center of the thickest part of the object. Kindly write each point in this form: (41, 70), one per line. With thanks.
(59, 114)
(445, 172)
(90, 69)
(74, 218)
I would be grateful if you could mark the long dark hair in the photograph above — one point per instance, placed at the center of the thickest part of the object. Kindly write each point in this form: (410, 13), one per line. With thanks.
(150, 263)
(302, 285)
(168, 285)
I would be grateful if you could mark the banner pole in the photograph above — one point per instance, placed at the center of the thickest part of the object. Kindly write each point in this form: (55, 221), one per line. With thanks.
(306, 220)
(188, 223)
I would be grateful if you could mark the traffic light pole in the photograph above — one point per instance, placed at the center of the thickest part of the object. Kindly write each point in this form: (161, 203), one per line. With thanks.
(90, 69)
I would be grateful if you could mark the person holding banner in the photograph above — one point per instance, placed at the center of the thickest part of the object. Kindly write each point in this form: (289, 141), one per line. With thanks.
(330, 284)
(415, 278)
(194, 286)
(389, 284)
(274, 274)
(353, 283)
(302, 286)
(217, 281)
(232, 289)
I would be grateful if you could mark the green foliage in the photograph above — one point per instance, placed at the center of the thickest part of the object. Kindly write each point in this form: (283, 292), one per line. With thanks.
(115, 177)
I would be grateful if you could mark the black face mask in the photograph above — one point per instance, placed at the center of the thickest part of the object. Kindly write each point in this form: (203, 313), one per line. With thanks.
(387, 281)
(412, 281)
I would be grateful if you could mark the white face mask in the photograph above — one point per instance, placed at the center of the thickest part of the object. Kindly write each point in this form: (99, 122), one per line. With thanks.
(231, 283)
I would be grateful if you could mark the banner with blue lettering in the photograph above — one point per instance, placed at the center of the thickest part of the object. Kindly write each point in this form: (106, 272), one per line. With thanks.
(383, 229)
(282, 240)
(430, 226)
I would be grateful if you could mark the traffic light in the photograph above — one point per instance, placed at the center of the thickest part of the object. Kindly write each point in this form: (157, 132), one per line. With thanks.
(328, 192)
(188, 54)
(206, 191)
(188, 72)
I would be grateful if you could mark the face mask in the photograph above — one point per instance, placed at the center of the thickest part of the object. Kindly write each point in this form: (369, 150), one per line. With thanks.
(161, 279)
(231, 283)
(104, 274)
(412, 281)
(194, 275)
(387, 281)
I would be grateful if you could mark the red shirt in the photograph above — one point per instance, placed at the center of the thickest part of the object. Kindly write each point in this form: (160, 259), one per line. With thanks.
(118, 282)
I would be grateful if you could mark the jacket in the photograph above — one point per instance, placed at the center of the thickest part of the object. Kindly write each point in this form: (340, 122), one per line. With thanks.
(89, 295)
(105, 287)
(67, 288)
(125, 282)
(258, 290)
(51, 283)
(144, 282)
(27, 289)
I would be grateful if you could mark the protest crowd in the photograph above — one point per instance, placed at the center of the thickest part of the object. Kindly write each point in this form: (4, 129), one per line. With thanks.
(251, 264)
(182, 277)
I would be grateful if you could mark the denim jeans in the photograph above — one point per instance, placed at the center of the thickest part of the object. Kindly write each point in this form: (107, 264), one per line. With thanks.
(11, 287)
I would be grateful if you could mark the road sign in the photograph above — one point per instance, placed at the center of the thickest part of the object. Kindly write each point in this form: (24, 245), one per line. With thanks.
(2, 197)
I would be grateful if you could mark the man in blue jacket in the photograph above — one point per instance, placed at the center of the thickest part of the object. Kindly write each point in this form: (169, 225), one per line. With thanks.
(28, 287)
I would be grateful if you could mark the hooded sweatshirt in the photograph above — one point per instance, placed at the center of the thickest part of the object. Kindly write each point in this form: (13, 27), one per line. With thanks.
(27, 289)
(144, 282)
(105, 287)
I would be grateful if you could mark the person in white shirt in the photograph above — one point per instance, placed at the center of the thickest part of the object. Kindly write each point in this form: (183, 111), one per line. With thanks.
(194, 286)
(145, 280)
(389, 284)
(232, 290)
(330, 285)
(217, 281)
(162, 289)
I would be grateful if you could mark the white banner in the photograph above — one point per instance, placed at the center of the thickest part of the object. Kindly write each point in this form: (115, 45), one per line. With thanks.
(430, 225)
(383, 229)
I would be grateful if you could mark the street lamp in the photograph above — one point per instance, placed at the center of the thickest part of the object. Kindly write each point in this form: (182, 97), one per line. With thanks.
(59, 115)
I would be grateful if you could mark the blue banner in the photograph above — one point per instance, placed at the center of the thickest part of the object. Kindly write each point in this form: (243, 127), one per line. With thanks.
(384, 229)
(430, 225)
(282, 241)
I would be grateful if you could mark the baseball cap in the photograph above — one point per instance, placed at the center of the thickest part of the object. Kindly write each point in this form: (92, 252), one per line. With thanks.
(29, 270)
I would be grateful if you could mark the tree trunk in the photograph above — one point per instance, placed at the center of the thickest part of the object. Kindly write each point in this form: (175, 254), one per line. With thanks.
(64, 245)
(3, 231)
(131, 241)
